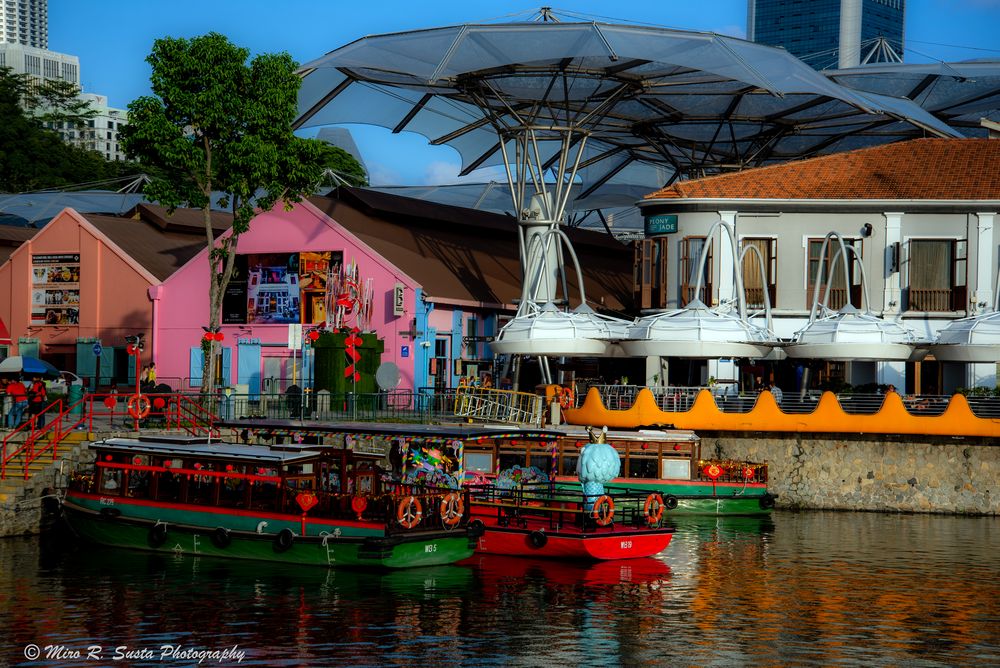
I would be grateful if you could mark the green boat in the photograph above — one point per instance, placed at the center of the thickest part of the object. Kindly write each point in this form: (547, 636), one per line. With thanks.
(292, 506)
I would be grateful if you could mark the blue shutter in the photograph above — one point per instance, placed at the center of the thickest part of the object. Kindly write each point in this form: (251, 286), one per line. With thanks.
(27, 347)
(248, 367)
(131, 369)
(197, 360)
(227, 366)
(86, 362)
(107, 370)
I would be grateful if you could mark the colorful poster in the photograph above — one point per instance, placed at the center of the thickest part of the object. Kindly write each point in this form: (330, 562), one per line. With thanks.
(234, 301)
(315, 270)
(273, 295)
(55, 289)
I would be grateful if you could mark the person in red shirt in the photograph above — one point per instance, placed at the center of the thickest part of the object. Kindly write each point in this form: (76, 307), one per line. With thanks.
(37, 397)
(19, 402)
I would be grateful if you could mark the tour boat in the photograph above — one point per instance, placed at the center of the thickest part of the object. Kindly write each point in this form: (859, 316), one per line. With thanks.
(537, 520)
(663, 461)
(199, 497)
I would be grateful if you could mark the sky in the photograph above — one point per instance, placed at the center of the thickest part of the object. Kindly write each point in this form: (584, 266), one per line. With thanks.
(112, 41)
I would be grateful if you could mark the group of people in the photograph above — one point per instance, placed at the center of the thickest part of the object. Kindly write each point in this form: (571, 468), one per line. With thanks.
(25, 397)
(147, 379)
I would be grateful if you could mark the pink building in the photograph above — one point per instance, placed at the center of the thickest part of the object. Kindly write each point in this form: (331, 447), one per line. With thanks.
(437, 283)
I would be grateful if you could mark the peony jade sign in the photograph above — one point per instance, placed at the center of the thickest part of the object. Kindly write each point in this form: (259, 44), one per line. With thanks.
(661, 224)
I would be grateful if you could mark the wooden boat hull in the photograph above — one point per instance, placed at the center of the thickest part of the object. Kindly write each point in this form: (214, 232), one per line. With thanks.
(695, 497)
(534, 538)
(215, 532)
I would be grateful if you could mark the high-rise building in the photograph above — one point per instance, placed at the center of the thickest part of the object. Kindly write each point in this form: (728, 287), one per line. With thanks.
(40, 63)
(99, 133)
(829, 33)
(25, 22)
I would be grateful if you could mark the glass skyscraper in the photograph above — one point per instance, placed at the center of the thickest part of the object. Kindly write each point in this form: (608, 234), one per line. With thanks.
(827, 33)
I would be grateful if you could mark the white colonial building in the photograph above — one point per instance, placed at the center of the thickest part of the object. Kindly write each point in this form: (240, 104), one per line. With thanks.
(919, 214)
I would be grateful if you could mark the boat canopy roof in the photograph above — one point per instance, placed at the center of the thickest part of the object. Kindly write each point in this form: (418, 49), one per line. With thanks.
(465, 432)
(201, 447)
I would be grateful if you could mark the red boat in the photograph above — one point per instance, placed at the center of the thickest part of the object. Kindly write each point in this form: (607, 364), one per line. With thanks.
(537, 520)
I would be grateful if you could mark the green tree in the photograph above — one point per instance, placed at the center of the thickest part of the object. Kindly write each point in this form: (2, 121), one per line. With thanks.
(343, 164)
(33, 157)
(219, 123)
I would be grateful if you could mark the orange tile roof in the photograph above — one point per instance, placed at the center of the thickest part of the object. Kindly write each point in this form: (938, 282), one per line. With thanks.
(920, 169)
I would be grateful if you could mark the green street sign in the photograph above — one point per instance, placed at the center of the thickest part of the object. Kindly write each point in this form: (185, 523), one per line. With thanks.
(661, 224)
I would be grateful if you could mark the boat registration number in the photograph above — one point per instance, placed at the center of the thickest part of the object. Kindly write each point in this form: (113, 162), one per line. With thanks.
(626, 545)
(430, 548)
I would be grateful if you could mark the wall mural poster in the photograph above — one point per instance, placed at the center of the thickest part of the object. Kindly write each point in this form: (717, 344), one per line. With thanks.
(55, 289)
(273, 288)
(234, 301)
(315, 270)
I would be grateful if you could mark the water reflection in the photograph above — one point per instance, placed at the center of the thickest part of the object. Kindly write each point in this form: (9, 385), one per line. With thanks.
(802, 589)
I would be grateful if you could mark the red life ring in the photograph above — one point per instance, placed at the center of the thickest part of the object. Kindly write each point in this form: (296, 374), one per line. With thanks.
(409, 512)
(566, 398)
(653, 508)
(138, 406)
(604, 510)
(452, 509)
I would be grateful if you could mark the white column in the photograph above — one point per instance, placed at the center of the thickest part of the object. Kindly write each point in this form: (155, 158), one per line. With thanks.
(985, 256)
(850, 34)
(655, 372)
(891, 295)
(892, 373)
(724, 253)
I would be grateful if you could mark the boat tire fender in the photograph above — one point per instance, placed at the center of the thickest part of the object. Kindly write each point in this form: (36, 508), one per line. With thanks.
(538, 539)
(670, 502)
(158, 534)
(476, 528)
(766, 502)
(283, 541)
(221, 538)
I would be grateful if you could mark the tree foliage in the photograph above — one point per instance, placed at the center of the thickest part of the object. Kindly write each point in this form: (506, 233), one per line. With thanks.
(33, 157)
(216, 122)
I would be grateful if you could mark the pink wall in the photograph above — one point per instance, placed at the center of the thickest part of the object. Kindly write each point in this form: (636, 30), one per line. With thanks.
(182, 300)
(113, 288)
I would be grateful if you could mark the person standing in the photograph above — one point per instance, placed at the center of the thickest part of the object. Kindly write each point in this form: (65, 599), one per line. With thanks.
(37, 397)
(18, 395)
(151, 377)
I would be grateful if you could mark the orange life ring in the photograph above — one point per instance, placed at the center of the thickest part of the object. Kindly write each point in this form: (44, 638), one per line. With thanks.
(653, 508)
(409, 512)
(452, 509)
(138, 406)
(566, 398)
(604, 510)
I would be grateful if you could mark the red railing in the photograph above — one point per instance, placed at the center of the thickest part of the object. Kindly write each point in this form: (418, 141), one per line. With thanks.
(177, 411)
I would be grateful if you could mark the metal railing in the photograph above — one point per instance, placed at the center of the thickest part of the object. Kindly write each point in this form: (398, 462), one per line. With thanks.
(492, 405)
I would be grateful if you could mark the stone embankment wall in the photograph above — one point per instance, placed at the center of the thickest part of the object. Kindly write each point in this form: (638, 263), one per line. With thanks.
(21, 511)
(856, 472)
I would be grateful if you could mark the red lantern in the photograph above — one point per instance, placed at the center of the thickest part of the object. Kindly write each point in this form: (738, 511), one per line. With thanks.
(108, 458)
(313, 335)
(159, 402)
(167, 463)
(208, 336)
(198, 465)
(137, 460)
(219, 336)
(677, 446)
(110, 402)
(712, 471)
(306, 500)
(748, 472)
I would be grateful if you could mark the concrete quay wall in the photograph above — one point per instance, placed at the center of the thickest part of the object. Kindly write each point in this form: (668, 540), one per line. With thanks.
(858, 472)
(21, 510)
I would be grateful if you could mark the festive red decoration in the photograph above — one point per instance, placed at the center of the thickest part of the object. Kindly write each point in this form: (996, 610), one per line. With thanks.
(712, 471)
(108, 458)
(748, 472)
(130, 349)
(159, 402)
(110, 402)
(229, 467)
(167, 463)
(219, 336)
(313, 335)
(677, 446)
(198, 465)
(137, 460)
(306, 500)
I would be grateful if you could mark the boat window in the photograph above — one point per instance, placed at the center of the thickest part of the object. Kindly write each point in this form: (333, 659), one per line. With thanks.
(479, 462)
(569, 461)
(642, 465)
(541, 461)
(232, 488)
(201, 488)
(139, 478)
(511, 456)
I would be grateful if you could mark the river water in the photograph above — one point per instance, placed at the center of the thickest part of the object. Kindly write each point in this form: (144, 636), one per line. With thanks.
(850, 589)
